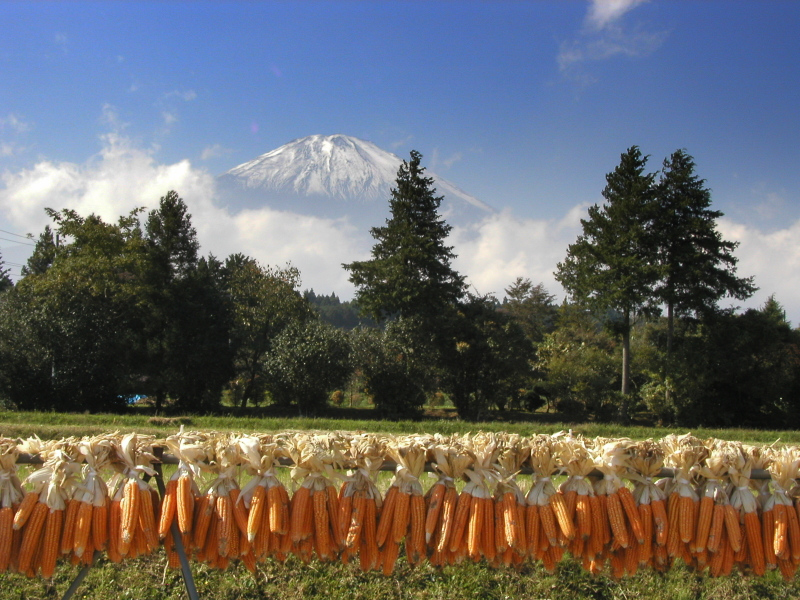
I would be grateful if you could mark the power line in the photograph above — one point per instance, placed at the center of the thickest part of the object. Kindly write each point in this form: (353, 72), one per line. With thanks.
(16, 234)
(16, 242)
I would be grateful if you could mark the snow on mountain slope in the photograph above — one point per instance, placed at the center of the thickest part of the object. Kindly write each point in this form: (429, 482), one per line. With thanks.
(306, 172)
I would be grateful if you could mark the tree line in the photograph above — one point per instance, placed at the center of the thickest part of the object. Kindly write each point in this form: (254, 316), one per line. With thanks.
(108, 311)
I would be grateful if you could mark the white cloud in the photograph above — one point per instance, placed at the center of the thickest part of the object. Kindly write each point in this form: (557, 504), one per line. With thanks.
(773, 258)
(502, 247)
(604, 12)
(169, 117)
(186, 95)
(13, 123)
(605, 37)
(122, 177)
(214, 151)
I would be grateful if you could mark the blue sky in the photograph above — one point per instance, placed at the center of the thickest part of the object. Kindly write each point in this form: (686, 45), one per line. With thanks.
(526, 105)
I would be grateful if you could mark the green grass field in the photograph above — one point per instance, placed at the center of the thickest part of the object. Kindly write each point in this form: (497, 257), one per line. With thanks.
(148, 577)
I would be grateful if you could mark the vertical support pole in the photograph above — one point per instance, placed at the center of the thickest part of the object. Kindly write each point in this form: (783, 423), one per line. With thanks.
(177, 538)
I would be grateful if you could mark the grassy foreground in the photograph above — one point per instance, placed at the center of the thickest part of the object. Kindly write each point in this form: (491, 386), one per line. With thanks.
(53, 425)
(147, 577)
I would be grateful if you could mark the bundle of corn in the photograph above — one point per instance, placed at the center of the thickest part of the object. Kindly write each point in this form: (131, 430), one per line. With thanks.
(220, 520)
(182, 495)
(86, 520)
(360, 501)
(133, 512)
(684, 454)
(740, 460)
(40, 516)
(315, 504)
(541, 528)
(11, 494)
(779, 523)
(265, 498)
(717, 535)
(626, 528)
(403, 513)
(646, 460)
(509, 501)
(577, 508)
(446, 518)
(479, 538)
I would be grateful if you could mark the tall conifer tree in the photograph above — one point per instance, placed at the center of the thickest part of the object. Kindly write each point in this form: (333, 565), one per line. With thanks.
(409, 274)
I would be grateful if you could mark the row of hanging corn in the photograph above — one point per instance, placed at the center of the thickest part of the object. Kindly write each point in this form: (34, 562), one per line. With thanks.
(603, 501)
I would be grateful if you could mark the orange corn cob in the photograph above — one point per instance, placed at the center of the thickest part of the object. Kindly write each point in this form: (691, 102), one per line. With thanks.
(781, 532)
(274, 504)
(114, 518)
(368, 553)
(487, 535)
(168, 508)
(299, 513)
(257, 504)
(226, 525)
(688, 518)
(660, 521)
(204, 509)
(238, 510)
(768, 538)
(83, 528)
(34, 525)
(389, 557)
(646, 549)
(100, 526)
(460, 521)
(599, 519)
(448, 514)
(616, 518)
(474, 527)
(416, 536)
(704, 517)
(583, 516)
(6, 536)
(794, 533)
(322, 540)
(50, 543)
(631, 512)
(755, 546)
(147, 518)
(714, 537)
(334, 511)
(400, 520)
(561, 511)
(68, 529)
(387, 515)
(25, 509)
(733, 528)
(185, 503)
(130, 515)
(548, 524)
(435, 502)
(354, 532)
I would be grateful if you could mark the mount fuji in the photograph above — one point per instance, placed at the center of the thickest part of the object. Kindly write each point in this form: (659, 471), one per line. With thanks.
(335, 176)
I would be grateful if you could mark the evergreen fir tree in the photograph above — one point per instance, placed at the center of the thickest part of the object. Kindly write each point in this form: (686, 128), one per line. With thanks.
(409, 274)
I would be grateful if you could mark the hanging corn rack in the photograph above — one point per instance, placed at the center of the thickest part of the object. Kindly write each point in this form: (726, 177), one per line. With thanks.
(616, 505)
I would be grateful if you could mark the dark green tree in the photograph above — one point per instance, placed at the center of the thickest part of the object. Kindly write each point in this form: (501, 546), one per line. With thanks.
(409, 273)
(610, 267)
(696, 266)
(307, 362)
(264, 302)
(43, 254)
(5, 281)
(184, 339)
(532, 307)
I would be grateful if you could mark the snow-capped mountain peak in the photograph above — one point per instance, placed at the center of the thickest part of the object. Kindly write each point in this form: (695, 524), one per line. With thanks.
(333, 166)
